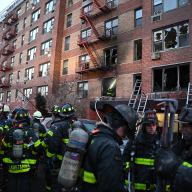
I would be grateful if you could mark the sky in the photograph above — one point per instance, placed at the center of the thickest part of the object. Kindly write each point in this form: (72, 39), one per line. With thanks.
(4, 4)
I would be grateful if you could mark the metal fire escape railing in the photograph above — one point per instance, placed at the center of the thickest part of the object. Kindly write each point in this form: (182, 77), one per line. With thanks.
(5, 12)
(86, 43)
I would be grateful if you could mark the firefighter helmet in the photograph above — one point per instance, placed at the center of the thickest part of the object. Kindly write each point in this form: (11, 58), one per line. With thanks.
(21, 115)
(67, 110)
(37, 115)
(185, 115)
(150, 116)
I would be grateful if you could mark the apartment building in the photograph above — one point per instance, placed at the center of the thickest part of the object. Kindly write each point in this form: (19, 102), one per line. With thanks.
(116, 42)
(104, 46)
(29, 50)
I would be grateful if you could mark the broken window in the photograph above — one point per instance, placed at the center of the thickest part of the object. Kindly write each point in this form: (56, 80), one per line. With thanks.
(110, 56)
(109, 87)
(172, 78)
(183, 35)
(172, 37)
(138, 49)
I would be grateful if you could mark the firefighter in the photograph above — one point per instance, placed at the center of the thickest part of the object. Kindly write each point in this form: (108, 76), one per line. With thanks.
(55, 142)
(37, 126)
(21, 146)
(103, 165)
(139, 155)
(176, 165)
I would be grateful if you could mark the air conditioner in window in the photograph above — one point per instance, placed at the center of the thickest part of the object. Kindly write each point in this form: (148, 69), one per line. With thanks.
(157, 16)
(156, 56)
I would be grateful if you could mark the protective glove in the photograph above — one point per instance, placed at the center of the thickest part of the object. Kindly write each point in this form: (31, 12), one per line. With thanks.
(166, 164)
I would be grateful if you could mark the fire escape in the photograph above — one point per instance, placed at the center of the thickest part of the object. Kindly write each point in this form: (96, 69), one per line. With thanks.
(97, 34)
(8, 48)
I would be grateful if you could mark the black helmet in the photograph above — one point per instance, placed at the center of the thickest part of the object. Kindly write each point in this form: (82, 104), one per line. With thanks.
(122, 114)
(20, 115)
(150, 116)
(67, 110)
(186, 115)
(55, 110)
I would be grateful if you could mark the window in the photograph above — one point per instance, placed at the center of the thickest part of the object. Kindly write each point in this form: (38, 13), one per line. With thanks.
(31, 54)
(29, 73)
(27, 92)
(24, 22)
(138, 49)
(111, 27)
(84, 59)
(138, 17)
(86, 33)
(16, 28)
(14, 43)
(172, 37)
(1, 96)
(12, 60)
(44, 69)
(18, 75)
(11, 78)
(67, 43)
(22, 40)
(20, 58)
(50, 6)
(43, 90)
(69, 20)
(110, 56)
(82, 89)
(65, 67)
(16, 93)
(46, 47)
(35, 2)
(69, 3)
(88, 9)
(19, 12)
(33, 34)
(27, 6)
(35, 16)
(109, 87)
(112, 3)
(159, 5)
(48, 26)
(172, 78)
(8, 96)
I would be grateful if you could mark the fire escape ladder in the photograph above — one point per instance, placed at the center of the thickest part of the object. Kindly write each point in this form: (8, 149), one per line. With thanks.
(88, 20)
(104, 8)
(89, 51)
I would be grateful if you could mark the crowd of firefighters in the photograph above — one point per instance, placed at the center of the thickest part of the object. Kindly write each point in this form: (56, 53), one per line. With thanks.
(142, 166)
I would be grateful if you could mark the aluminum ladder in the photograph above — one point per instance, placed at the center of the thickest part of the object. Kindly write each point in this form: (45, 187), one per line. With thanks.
(189, 95)
(142, 104)
(135, 94)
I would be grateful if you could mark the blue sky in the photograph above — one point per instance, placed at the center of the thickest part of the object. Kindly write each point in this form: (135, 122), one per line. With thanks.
(5, 3)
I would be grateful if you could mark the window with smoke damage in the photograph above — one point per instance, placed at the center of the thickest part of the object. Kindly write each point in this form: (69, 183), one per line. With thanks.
(110, 56)
(109, 87)
(82, 89)
(171, 37)
(171, 78)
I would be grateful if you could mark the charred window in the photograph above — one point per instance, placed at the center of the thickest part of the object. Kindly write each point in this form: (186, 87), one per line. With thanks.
(82, 89)
(171, 38)
(173, 78)
(110, 56)
(109, 87)
(138, 49)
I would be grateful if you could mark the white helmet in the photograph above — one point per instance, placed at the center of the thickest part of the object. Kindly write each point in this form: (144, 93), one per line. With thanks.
(6, 108)
(37, 115)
